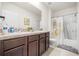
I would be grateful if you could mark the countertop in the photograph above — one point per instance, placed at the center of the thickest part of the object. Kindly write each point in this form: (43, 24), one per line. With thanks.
(19, 34)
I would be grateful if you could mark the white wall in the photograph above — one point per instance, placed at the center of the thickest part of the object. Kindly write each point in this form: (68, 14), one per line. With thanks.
(0, 8)
(78, 25)
(44, 18)
(64, 12)
(15, 16)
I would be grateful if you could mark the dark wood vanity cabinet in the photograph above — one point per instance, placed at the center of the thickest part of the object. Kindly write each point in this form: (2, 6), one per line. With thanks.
(38, 44)
(47, 41)
(32, 45)
(14, 47)
(42, 44)
(19, 51)
(12, 43)
(33, 49)
(1, 50)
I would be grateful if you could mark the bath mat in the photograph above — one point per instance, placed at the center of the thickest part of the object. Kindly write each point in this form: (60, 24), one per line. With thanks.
(69, 48)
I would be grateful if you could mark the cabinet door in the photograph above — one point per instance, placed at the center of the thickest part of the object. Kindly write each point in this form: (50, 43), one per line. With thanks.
(47, 43)
(33, 48)
(0, 48)
(42, 46)
(19, 51)
(25, 51)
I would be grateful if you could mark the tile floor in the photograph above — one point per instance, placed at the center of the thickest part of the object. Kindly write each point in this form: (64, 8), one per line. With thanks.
(58, 52)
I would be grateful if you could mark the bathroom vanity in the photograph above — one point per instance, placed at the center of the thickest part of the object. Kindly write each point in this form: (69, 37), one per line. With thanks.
(24, 44)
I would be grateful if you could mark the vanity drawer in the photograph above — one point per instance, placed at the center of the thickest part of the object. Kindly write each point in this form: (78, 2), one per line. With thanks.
(11, 43)
(33, 38)
(47, 34)
(18, 51)
(42, 35)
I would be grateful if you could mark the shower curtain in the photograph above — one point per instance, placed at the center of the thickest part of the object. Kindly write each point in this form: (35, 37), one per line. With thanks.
(70, 30)
(67, 26)
(70, 27)
(57, 29)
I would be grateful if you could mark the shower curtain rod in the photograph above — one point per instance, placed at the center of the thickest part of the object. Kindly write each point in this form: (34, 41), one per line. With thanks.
(65, 15)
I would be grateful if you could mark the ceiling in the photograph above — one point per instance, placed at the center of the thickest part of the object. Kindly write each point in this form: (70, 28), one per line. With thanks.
(28, 6)
(56, 6)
